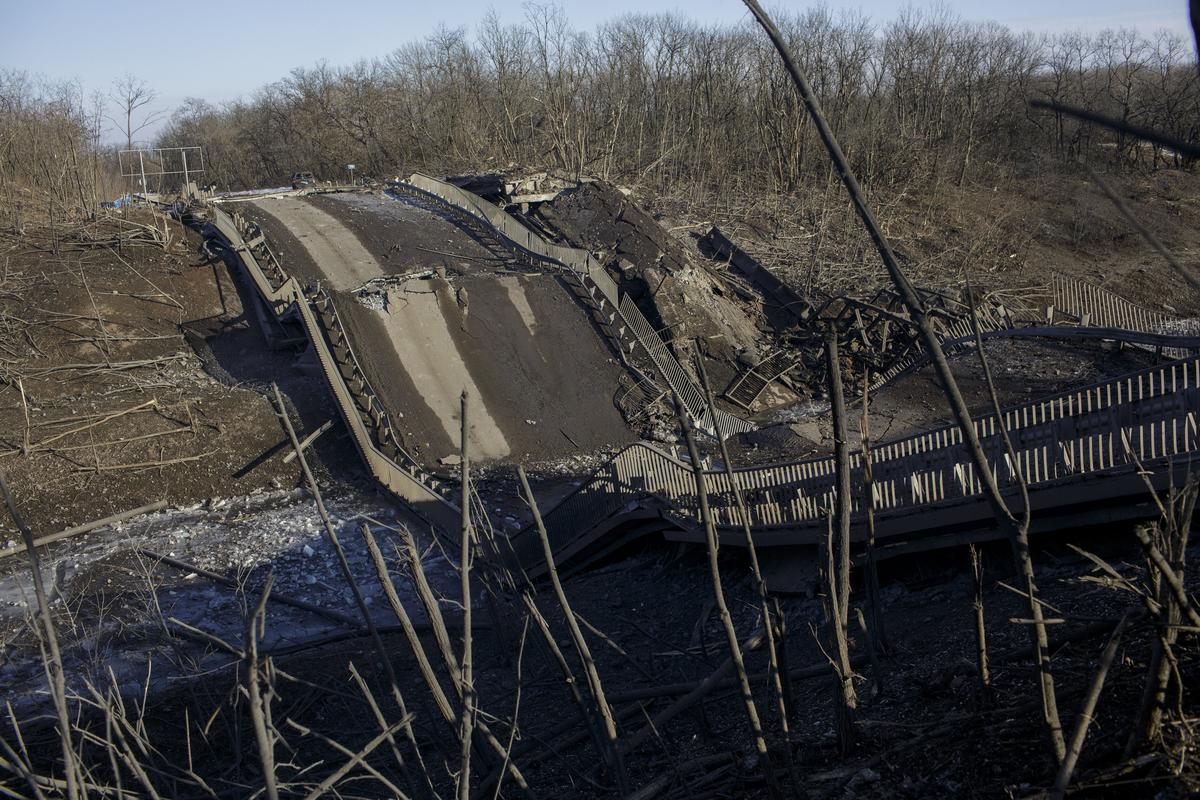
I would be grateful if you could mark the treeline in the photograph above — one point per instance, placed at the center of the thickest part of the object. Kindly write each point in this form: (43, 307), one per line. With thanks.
(666, 101)
(51, 158)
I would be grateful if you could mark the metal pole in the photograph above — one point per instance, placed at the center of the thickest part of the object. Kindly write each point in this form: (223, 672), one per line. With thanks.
(183, 150)
(142, 164)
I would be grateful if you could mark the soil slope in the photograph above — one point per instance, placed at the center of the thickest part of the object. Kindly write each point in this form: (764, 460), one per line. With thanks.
(112, 390)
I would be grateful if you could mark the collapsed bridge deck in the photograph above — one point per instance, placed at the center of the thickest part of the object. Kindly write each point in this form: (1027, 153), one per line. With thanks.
(432, 312)
(1077, 450)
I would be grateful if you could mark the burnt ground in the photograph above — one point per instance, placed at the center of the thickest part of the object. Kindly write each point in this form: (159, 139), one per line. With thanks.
(544, 379)
(923, 731)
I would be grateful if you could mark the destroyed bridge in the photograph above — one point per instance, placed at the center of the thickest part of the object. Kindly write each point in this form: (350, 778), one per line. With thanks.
(563, 333)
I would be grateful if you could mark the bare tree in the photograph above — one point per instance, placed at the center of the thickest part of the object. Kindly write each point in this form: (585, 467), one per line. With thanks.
(131, 96)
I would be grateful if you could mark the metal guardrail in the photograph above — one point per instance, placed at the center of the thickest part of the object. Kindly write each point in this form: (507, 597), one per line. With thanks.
(954, 338)
(289, 296)
(750, 384)
(1094, 305)
(1084, 432)
(581, 263)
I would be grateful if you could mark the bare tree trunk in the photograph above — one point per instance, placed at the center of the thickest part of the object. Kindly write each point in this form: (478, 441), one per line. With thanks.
(599, 739)
(1020, 544)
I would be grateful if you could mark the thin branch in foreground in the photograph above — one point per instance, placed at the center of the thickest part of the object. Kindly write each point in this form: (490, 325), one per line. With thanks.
(981, 652)
(1145, 134)
(1063, 780)
(603, 709)
(878, 629)
(777, 676)
(466, 555)
(1144, 232)
(714, 568)
(264, 738)
(918, 313)
(838, 573)
(355, 590)
(54, 664)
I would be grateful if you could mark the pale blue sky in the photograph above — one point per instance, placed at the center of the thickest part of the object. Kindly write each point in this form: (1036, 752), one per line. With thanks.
(224, 49)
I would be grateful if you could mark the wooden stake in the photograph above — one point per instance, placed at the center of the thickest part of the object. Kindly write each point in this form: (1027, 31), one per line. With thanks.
(85, 528)
(878, 630)
(981, 652)
(467, 727)
(842, 499)
(954, 398)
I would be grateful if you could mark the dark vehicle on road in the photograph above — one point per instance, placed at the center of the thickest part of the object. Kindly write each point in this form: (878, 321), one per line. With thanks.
(302, 179)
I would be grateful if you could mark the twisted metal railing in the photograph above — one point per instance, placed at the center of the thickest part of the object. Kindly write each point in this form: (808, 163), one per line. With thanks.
(581, 263)
(1147, 416)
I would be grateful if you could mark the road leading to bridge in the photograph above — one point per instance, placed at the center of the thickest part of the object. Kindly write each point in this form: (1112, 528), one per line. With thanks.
(343, 261)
